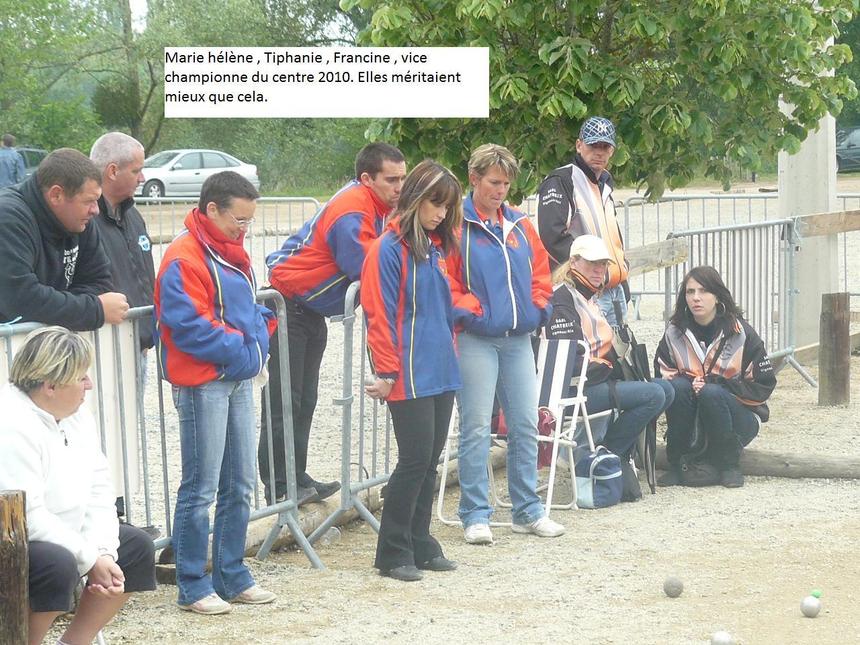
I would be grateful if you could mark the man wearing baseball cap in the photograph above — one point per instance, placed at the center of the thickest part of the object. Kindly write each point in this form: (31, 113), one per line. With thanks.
(575, 200)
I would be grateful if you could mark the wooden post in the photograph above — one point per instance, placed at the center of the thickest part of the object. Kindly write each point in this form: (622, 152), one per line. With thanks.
(834, 361)
(14, 566)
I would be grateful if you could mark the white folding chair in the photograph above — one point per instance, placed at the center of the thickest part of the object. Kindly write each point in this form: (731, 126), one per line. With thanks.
(556, 363)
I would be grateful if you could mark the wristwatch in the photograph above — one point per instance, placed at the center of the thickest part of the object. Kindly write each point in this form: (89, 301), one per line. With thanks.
(390, 381)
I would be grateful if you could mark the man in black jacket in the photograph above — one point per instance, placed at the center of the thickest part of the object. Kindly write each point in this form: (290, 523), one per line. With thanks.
(122, 230)
(53, 269)
(126, 241)
(575, 200)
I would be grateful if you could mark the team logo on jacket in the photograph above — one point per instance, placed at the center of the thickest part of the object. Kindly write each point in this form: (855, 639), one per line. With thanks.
(70, 261)
(144, 244)
(513, 241)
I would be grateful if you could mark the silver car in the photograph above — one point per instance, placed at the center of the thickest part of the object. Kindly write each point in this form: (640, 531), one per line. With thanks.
(182, 172)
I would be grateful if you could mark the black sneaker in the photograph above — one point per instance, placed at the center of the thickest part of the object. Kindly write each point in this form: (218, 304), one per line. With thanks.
(631, 490)
(699, 474)
(732, 478)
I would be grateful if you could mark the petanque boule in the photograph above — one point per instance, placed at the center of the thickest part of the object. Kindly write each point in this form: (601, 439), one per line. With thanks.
(722, 638)
(810, 606)
(673, 586)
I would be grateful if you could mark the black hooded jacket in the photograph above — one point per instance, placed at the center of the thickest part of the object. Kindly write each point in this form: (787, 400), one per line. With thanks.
(47, 274)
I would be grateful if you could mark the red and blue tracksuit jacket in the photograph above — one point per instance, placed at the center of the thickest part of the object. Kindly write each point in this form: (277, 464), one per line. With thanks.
(500, 288)
(316, 265)
(208, 323)
(410, 324)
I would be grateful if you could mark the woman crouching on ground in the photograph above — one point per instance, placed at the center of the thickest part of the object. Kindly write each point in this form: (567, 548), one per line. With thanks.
(410, 334)
(718, 366)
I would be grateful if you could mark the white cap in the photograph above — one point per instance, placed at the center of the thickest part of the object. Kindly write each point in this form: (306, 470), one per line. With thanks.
(591, 248)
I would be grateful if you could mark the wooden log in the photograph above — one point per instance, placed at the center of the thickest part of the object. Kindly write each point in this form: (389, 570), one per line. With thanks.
(809, 353)
(767, 463)
(834, 367)
(657, 255)
(14, 565)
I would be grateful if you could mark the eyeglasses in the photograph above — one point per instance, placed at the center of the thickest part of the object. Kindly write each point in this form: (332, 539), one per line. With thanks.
(241, 223)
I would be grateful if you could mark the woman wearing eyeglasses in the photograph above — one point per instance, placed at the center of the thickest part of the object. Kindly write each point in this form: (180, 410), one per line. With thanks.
(213, 339)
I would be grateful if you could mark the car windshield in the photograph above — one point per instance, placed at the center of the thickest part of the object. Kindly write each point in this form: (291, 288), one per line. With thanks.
(160, 159)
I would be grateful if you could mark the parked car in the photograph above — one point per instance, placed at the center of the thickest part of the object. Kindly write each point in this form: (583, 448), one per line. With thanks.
(848, 149)
(173, 173)
(32, 158)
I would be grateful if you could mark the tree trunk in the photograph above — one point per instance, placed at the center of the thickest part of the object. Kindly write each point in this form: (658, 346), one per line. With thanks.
(14, 601)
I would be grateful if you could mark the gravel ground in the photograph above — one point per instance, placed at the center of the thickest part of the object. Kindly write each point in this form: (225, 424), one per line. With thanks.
(747, 557)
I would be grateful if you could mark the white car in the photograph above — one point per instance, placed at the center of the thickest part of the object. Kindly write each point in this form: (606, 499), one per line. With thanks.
(182, 172)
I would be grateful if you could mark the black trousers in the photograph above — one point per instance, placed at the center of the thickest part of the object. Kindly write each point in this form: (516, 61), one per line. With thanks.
(54, 570)
(420, 428)
(727, 423)
(307, 335)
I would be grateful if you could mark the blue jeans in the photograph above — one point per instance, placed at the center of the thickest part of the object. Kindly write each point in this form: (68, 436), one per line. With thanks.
(638, 401)
(606, 306)
(484, 361)
(216, 432)
(727, 423)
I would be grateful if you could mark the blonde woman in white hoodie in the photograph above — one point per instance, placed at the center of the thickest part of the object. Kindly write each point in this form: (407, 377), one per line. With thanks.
(49, 447)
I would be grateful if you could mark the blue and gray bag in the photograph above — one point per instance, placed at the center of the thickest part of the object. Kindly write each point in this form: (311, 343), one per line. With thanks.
(598, 479)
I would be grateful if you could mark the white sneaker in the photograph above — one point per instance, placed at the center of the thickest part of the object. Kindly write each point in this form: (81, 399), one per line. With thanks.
(478, 534)
(209, 605)
(542, 527)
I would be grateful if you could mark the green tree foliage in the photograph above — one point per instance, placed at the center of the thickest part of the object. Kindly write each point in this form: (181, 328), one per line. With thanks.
(693, 87)
(850, 36)
(36, 103)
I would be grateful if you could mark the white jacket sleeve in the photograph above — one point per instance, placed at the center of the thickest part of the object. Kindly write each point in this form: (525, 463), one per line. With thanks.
(101, 527)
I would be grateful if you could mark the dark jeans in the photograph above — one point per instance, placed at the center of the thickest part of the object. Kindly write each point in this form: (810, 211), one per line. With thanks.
(307, 335)
(54, 570)
(420, 427)
(639, 402)
(727, 424)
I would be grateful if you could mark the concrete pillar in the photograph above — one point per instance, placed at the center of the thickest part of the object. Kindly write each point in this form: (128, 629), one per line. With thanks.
(807, 184)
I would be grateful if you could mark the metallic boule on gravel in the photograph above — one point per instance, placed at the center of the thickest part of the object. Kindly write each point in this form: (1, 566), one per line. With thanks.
(673, 586)
(810, 606)
(722, 638)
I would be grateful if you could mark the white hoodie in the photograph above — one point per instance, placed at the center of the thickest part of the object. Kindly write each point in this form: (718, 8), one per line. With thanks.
(60, 466)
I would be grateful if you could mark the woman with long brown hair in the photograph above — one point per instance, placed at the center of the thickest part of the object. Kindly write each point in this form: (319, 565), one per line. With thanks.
(722, 377)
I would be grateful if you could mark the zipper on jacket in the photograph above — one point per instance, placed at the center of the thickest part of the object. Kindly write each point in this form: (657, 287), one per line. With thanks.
(507, 267)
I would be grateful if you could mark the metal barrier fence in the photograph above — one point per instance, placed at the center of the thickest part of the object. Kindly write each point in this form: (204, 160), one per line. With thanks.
(756, 261)
(371, 450)
(643, 222)
(129, 410)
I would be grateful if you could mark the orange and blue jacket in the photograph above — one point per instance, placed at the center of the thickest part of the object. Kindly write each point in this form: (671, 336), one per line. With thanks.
(317, 264)
(500, 284)
(209, 326)
(410, 323)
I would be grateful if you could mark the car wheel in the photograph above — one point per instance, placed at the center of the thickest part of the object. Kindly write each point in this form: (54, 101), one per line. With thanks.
(153, 189)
